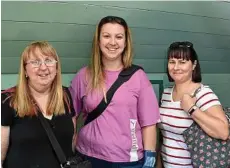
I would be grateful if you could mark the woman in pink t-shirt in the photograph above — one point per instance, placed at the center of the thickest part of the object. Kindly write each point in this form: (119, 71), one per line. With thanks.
(124, 135)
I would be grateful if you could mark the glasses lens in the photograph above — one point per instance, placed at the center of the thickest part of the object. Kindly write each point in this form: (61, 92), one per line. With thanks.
(35, 63)
(50, 62)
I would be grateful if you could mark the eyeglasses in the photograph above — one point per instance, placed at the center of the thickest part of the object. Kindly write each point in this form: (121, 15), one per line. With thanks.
(47, 62)
(181, 44)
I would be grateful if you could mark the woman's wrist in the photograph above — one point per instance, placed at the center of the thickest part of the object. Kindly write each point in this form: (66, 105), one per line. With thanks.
(149, 159)
(192, 109)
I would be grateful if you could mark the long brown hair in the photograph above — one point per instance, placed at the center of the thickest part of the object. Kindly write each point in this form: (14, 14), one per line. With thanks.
(95, 73)
(21, 99)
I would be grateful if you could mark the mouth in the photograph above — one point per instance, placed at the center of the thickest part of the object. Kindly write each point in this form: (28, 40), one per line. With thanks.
(43, 75)
(177, 73)
(112, 49)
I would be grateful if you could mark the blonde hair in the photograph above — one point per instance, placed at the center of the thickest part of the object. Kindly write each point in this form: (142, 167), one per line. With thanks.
(95, 73)
(22, 100)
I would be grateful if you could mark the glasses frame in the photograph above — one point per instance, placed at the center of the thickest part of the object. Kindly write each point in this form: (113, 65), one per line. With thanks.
(40, 63)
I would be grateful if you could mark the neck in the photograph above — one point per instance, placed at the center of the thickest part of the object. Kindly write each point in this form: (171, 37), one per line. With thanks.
(183, 87)
(39, 92)
(112, 65)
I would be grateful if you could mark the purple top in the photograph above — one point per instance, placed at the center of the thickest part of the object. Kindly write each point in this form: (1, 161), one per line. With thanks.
(116, 134)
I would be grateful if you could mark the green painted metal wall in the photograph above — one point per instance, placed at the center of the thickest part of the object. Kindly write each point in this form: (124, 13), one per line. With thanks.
(69, 26)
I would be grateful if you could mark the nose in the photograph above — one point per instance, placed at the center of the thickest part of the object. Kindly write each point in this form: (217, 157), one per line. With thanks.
(43, 65)
(112, 40)
(176, 66)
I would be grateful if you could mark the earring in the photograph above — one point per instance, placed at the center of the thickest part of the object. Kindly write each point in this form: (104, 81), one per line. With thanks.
(26, 76)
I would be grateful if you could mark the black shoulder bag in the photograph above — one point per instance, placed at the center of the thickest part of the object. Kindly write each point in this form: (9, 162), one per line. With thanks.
(123, 77)
(205, 150)
(76, 161)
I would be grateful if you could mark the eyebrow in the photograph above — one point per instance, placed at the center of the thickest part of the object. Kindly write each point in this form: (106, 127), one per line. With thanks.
(39, 58)
(116, 34)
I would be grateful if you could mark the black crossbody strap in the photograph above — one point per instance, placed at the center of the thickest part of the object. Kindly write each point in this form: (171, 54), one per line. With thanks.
(56, 146)
(123, 77)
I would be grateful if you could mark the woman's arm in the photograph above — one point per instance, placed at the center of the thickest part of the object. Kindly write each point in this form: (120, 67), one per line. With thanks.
(5, 135)
(149, 142)
(212, 120)
(149, 137)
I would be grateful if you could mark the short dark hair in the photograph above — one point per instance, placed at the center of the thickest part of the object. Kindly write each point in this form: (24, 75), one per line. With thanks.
(185, 50)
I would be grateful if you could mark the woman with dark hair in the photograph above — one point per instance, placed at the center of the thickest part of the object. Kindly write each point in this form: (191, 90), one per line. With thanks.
(180, 108)
(124, 135)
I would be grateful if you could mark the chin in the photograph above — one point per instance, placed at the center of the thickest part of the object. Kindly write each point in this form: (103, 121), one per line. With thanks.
(178, 80)
(112, 57)
(48, 83)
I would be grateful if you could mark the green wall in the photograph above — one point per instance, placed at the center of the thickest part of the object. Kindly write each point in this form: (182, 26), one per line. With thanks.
(69, 27)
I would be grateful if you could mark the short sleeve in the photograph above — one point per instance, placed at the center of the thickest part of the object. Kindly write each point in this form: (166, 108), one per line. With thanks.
(206, 98)
(78, 90)
(7, 113)
(148, 108)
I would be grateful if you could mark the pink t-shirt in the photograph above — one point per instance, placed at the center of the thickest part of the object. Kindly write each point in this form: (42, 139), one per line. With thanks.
(115, 135)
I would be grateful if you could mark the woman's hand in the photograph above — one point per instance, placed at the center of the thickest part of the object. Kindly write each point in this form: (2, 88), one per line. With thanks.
(187, 102)
(150, 159)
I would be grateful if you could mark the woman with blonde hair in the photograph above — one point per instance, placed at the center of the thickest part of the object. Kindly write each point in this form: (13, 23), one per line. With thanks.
(124, 135)
(24, 142)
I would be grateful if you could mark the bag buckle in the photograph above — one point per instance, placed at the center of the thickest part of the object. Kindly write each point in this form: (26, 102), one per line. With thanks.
(63, 165)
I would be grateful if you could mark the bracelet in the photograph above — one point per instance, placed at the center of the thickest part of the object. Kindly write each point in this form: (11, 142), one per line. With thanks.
(192, 109)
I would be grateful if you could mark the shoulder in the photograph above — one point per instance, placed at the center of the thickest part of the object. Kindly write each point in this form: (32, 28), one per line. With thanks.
(141, 79)
(205, 90)
(140, 73)
(206, 98)
(80, 76)
(7, 94)
(81, 72)
(7, 112)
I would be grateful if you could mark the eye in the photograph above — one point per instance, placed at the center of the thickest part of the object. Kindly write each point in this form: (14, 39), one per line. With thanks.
(171, 62)
(49, 60)
(119, 37)
(35, 62)
(183, 62)
(106, 36)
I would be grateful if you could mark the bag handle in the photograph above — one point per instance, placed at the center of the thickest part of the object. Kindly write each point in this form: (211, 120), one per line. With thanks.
(227, 114)
(123, 77)
(53, 140)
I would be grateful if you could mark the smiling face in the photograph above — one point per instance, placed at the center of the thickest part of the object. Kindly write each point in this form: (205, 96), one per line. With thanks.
(180, 70)
(41, 76)
(112, 41)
